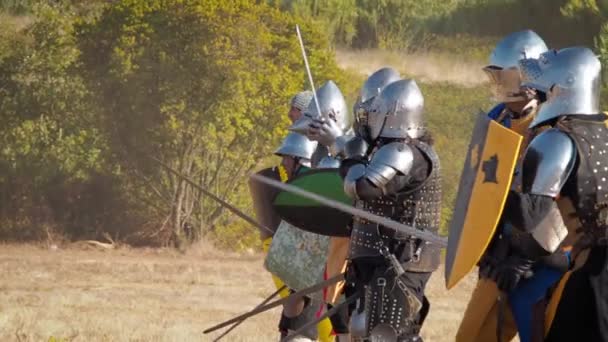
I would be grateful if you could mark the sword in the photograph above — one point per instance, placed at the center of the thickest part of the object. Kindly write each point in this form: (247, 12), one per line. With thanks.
(399, 227)
(296, 295)
(312, 85)
(322, 317)
(268, 299)
(225, 204)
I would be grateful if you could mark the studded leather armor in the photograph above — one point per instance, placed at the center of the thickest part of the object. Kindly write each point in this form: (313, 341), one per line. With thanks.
(591, 182)
(417, 207)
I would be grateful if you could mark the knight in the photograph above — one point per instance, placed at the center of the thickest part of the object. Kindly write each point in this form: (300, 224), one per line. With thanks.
(334, 113)
(330, 134)
(297, 152)
(391, 169)
(517, 108)
(563, 202)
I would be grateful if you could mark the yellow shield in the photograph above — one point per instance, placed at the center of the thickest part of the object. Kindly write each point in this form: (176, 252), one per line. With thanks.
(484, 185)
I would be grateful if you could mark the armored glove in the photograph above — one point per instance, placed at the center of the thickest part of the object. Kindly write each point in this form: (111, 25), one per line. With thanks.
(324, 131)
(511, 271)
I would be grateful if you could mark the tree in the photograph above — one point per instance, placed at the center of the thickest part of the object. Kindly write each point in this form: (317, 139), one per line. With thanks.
(49, 137)
(201, 85)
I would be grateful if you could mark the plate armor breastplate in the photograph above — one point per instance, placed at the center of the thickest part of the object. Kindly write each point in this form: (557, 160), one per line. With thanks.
(419, 208)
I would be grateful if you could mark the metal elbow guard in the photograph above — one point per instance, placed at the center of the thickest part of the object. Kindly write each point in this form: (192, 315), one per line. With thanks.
(380, 175)
(350, 181)
(388, 161)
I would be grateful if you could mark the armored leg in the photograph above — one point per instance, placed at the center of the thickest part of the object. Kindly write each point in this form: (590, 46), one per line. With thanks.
(393, 306)
(296, 315)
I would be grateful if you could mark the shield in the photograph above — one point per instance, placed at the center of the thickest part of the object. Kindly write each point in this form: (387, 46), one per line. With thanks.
(310, 215)
(484, 185)
(263, 197)
(297, 257)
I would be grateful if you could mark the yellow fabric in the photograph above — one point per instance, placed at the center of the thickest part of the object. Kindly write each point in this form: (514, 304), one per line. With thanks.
(554, 301)
(325, 331)
(277, 282)
(480, 318)
(336, 264)
(283, 174)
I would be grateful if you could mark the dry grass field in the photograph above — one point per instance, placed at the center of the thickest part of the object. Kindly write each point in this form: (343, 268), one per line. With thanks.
(86, 294)
(424, 67)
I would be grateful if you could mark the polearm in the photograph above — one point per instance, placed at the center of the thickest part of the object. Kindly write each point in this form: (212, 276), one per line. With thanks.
(290, 299)
(266, 301)
(399, 227)
(208, 193)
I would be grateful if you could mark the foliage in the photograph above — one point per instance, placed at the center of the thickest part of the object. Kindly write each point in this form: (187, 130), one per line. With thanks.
(450, 111)
(196, 84)
(90, 90)
(50, 143)
(86, 97)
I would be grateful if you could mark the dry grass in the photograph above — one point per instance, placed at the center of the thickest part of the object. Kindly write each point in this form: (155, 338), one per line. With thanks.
(85, 294)
(427, 67)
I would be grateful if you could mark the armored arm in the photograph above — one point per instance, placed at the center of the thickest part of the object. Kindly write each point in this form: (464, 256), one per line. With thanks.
(388, 169)
(547, 165)
(355, 152)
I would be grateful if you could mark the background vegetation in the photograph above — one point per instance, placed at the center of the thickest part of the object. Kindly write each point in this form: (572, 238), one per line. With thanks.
(90, 90)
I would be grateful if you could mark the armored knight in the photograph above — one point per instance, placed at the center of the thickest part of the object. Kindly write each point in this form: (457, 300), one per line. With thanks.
(334, 114)
(296, 152)
(335, 117)
(330, 134)
(391, 169)
(516, 110)
(564, 197)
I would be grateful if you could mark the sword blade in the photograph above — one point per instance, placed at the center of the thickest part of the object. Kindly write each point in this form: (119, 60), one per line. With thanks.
(268, 299)
(312, 85)
(322, 317)
(400, 227)
(208, 193)
(293, 296)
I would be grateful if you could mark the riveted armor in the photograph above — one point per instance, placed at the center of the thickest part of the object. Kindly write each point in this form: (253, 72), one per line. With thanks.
(419, 207)
(591, 182)
(391, 307)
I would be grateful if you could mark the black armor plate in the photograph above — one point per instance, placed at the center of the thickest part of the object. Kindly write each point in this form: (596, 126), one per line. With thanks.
(419, 208)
